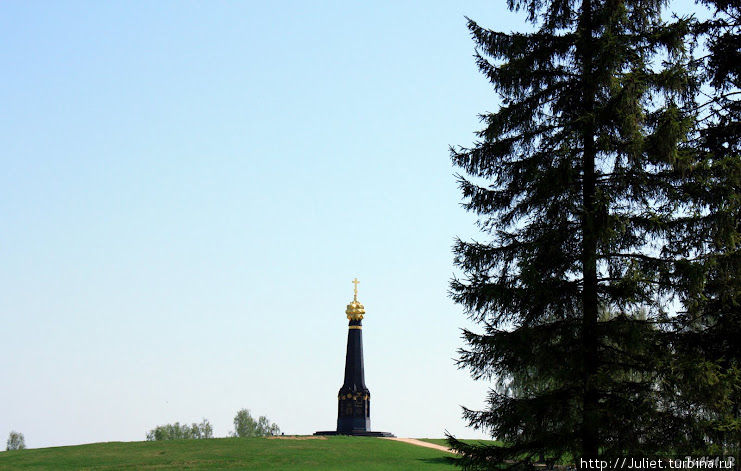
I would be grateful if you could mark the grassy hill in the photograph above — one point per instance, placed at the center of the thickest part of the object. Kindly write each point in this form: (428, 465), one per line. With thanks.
(289, 454)
(444, 442)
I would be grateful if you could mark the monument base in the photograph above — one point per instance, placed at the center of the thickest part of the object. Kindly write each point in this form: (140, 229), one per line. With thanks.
(358, 433)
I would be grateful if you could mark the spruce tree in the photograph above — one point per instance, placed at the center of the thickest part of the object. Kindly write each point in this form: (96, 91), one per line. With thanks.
(706, 378)
(721, 143)
(571, 181)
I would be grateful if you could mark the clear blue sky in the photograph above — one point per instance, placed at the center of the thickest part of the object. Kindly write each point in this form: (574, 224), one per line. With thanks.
(187, 190)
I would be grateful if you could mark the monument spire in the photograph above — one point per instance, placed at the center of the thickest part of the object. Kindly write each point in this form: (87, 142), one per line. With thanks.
(353, 408)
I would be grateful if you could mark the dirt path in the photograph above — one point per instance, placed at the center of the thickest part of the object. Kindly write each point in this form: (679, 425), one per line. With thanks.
(414, 441)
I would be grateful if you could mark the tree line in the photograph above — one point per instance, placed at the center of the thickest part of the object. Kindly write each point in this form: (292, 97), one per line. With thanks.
(245, 426)
(606, 281)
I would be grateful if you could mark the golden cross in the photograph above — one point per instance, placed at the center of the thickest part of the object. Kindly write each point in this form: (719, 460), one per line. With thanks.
(355, 282)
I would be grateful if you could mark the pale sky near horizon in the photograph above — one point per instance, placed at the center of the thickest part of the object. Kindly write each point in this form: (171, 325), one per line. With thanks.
(188, 189)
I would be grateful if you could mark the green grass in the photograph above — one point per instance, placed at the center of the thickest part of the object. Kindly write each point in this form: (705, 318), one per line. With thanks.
(333, 453)
(443, 442)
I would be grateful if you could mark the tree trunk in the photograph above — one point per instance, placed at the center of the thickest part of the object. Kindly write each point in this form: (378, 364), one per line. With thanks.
(589, 352)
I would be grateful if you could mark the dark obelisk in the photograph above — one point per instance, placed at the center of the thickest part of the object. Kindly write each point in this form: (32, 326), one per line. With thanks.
(353, 408)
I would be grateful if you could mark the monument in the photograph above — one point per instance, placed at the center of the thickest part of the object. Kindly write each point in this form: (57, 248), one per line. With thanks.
(353, 408)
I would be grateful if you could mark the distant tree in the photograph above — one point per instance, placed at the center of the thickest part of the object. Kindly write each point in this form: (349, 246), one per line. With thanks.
(179, 431)
(202, 430)
(266, 428)
(16, 441)
(246, 426)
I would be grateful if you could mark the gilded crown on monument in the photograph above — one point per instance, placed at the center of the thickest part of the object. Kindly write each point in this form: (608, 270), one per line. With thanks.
(355, 310)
